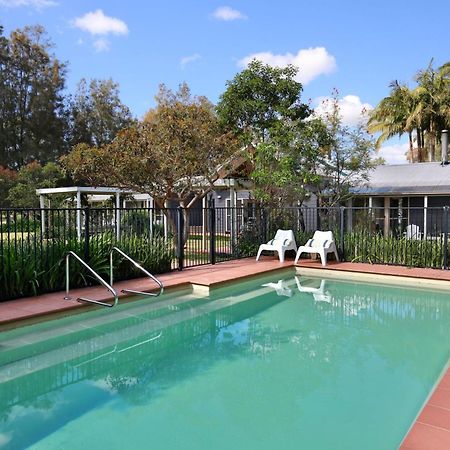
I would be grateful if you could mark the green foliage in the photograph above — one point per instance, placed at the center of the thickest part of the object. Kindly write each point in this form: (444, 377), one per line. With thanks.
(20, 223)
(258, 98)
(174, 152)
(33, 267)
(31, 177)
(377, 249)
(136, 222)
(32, 111)
(249, 240)
(421, 113)
(262, 106)
(38, 121)
(347, 158)
(96, 113)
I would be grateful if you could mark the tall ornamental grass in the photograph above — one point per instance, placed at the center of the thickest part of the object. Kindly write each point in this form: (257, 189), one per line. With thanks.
(377, 249)
(32, 267)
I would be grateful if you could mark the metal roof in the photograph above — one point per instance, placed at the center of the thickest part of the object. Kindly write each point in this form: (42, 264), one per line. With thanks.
(404, 179)
(82, 189)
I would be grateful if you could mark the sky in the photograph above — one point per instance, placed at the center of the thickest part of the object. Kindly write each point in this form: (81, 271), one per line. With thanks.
(355, 47)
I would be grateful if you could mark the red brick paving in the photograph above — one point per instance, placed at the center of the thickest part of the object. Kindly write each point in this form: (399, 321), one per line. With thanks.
(431, 430)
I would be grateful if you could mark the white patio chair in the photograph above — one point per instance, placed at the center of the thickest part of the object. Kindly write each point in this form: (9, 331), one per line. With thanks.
(322, 243)
(283, 240)
(413, 232)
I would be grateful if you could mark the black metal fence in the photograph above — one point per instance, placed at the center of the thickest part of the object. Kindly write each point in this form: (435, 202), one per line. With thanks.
(33, 242)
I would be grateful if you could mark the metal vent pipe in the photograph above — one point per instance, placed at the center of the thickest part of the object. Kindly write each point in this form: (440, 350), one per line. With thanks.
(444, 151)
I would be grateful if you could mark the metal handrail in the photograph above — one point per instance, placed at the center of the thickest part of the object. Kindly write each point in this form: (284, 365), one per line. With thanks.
(96, 275)
(124, 255)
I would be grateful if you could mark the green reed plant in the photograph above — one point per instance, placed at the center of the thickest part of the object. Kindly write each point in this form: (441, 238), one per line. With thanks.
(35, 266)
(378, 249)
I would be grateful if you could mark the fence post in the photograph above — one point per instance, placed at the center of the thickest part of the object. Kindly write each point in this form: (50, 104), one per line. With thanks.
(86, 234)
(180, 244)
(341, 231)
(264, 224)
(212, 232)
(445, 237)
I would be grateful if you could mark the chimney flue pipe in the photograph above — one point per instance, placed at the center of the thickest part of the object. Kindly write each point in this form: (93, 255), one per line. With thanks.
(444, 151)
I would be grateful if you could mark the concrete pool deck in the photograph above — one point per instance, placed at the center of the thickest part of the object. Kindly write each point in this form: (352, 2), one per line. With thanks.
(431, 430)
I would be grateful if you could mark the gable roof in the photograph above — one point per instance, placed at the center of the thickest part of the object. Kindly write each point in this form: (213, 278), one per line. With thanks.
(404, 179)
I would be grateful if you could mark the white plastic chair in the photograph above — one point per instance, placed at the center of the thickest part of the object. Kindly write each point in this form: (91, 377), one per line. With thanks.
(413, 232)
(322, 243)
(283, 240)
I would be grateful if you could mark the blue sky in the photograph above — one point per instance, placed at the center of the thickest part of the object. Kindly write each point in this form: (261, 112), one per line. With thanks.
(356, 47)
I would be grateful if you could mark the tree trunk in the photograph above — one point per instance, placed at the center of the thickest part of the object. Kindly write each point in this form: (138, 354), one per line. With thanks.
(172, 221)
(185, 230)
(412, 157)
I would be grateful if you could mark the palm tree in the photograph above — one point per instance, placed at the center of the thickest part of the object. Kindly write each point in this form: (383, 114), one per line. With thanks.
(390, 117)
(421, 113)
(432, 103)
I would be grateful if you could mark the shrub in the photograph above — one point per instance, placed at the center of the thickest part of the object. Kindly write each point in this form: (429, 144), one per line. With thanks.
(137, 222)
(378, 249)
(33, 266)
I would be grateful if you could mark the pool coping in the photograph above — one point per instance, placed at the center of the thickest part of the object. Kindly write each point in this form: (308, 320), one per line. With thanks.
(25, 311)
(430, 429)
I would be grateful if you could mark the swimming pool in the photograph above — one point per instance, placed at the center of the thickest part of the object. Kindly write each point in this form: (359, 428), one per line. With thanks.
(298, 363)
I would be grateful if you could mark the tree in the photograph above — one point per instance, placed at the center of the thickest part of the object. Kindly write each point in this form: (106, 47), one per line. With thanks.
(432, 107)
(392, 117)
(347, 159)
(97, 113)
(173, 155)
(32, 112)
(7, 181)
(422, 112)
(285, 168)
(258, 99)
(31, 177)
(262, 105)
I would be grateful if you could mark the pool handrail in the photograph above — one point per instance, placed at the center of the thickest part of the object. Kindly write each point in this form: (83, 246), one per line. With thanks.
(138, 266)
(96, 275)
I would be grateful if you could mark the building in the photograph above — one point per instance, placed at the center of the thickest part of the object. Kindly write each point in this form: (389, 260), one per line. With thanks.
(401, 195)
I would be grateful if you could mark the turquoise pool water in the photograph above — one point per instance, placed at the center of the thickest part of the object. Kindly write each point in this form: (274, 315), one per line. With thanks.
(302, 363)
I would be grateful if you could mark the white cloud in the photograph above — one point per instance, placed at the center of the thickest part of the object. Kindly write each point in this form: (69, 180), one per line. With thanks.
(38, 4)
(351, 108)
(97, 23)
(394, 154)
(226, 13)
(101, 45)
(189, 59)
(311, 62)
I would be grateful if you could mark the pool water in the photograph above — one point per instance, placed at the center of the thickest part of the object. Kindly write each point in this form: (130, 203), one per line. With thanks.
(300, 363)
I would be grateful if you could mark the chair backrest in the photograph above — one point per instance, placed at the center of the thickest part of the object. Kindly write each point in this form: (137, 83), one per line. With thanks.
(413, 231)
(320, 237)
(281, 235)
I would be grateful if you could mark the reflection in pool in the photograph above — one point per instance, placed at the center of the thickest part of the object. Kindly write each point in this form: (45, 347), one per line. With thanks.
(266, 363)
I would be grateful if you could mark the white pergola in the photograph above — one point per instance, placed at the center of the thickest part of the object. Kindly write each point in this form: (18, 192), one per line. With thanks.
(77, 191)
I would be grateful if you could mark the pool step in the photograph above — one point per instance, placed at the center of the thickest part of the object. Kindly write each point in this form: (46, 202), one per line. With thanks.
(86, 344)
